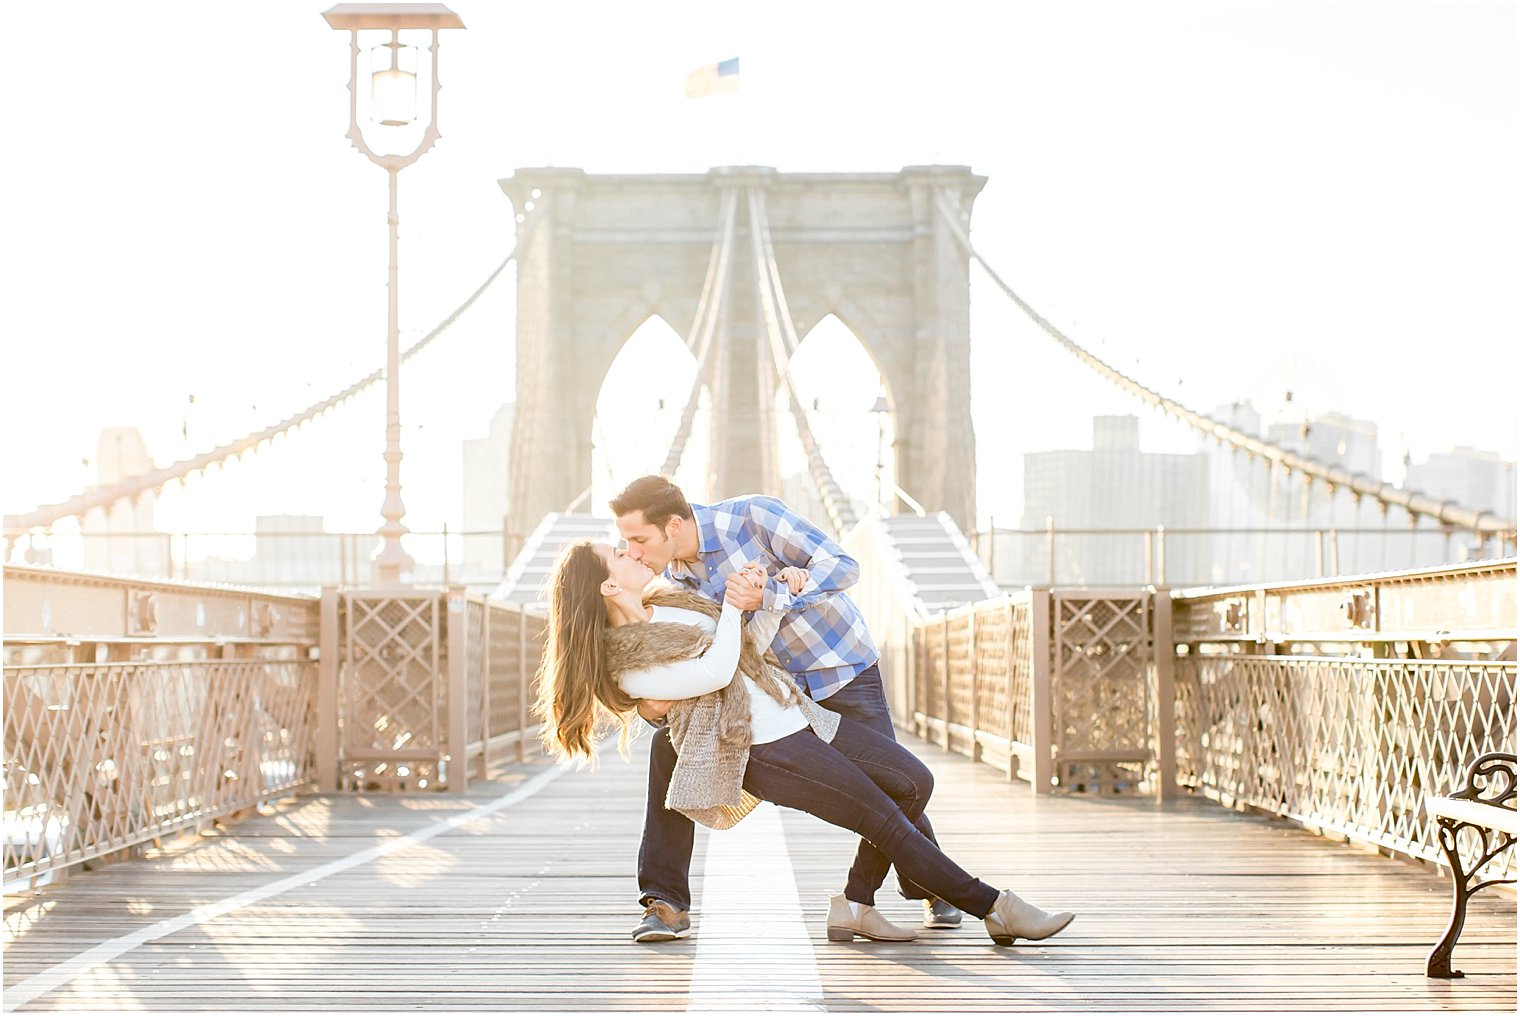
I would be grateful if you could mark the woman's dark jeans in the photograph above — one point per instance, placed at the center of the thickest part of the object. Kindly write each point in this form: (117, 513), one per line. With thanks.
(665, 850)
(873, 786)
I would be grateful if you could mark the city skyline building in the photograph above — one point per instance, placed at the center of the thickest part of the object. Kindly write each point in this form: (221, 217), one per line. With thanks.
(1113, 485)
(487, 471)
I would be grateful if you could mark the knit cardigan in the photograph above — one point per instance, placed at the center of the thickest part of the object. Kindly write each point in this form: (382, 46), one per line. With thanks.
(711, 733)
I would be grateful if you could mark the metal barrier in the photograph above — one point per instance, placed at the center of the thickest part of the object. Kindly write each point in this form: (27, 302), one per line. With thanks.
(417, 680)
(291, 561)
(134, 710)
(1057, 687)
(1338, 704)
(1341, 704)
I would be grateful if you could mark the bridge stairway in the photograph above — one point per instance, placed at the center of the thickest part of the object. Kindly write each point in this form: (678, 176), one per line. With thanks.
(526, 579)
(938, 562)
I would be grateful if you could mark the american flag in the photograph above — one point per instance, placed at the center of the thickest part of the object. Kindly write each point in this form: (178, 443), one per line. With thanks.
(713, 79)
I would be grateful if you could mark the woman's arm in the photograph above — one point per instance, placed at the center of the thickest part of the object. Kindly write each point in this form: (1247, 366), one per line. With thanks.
(689, 678)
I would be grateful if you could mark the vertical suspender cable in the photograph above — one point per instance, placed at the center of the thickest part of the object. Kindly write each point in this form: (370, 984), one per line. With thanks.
(709, 310)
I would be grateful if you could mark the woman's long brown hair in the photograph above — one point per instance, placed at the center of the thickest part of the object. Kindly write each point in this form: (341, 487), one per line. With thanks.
(578, 700)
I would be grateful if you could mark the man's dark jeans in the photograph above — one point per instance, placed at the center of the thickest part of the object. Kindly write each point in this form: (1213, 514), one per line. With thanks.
(665, 851)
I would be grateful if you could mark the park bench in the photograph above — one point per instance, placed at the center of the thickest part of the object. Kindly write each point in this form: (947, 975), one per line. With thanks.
(1486, 804)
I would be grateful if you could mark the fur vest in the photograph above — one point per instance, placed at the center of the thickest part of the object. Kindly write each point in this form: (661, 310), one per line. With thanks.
(711, 733)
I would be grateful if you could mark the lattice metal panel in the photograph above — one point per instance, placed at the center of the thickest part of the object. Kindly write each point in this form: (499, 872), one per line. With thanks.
(957, 634)
(475, 675)
(517, 641)
(1346, 744)
(929, 675)
(394, 692)
(994, 668)
(1101, 690)
(1021, 688)
(103, 756)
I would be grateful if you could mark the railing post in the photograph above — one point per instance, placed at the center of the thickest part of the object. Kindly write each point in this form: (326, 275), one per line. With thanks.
(1050, 547)
(944, 636)
(1150, 554)
(1010, 667)
(328, 670)
(1161, 555)
(485, 689)
(976, 713)
(522, 684)
(1040, 673)
(457, 631)
(1165, 650)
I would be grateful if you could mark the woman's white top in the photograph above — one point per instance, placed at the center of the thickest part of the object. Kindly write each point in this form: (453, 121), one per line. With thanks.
(714, 669)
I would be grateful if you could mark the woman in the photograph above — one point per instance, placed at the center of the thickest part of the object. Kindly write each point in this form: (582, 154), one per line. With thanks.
(743, 741)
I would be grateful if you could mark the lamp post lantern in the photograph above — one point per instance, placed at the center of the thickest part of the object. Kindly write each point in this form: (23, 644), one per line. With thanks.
(391, 103)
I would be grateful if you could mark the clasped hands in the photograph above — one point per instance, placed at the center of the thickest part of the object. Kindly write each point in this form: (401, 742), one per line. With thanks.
(746, 587)
(745, 590)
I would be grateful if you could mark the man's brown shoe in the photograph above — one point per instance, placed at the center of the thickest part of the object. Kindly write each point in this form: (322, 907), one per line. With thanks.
(662, 922)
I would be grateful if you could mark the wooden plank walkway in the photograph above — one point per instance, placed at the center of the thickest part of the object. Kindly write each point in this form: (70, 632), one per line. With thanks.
(528, 907)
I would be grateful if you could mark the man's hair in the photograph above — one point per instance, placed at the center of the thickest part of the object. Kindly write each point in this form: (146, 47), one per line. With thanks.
(656, 496)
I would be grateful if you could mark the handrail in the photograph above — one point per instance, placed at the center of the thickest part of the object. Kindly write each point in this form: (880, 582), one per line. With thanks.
(918, 509)
(580, 499)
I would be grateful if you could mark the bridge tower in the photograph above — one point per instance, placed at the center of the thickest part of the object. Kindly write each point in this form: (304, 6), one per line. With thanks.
(599, 254)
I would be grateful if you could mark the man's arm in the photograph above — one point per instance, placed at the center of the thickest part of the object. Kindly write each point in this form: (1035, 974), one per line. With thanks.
(795, 542)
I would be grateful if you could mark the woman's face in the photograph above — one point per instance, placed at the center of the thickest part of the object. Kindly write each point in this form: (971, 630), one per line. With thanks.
(625, 571)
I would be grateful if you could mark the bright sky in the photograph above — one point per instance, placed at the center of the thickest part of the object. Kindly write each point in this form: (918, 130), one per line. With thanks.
(1227, 199)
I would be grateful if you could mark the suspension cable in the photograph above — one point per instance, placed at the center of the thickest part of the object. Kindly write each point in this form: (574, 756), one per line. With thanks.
(1447, 513)
(135, 486)
(783, 341)
(709, 310)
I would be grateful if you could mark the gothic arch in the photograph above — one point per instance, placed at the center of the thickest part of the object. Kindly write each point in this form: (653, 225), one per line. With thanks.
(601, 254)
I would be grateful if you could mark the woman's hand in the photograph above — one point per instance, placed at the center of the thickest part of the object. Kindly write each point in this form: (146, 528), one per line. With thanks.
(795, 578)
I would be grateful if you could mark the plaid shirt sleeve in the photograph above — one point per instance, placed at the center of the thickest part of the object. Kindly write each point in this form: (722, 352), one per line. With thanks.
(796, 542)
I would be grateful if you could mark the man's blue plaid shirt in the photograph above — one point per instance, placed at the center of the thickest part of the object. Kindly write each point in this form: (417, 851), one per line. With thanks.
(823, 640)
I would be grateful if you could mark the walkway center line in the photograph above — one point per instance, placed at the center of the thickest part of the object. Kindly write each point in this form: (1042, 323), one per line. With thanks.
(753, 948)
(105, 952)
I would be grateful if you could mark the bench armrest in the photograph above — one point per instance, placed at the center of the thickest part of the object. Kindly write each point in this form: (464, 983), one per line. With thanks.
(1490, 780)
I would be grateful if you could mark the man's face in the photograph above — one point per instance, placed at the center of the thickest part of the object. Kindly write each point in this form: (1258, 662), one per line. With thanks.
(649, 544)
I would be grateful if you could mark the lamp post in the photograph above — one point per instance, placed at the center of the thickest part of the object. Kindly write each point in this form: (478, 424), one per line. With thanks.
(392, 104)
(881, 409)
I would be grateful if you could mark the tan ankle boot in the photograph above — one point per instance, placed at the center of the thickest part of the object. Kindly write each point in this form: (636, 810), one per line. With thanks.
(1013, 918)
(844, 925)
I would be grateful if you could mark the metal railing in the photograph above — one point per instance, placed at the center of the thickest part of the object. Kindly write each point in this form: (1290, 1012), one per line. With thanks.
(425, 687)
(134, 710)
(1338, 704)
(291, 561)
(1189, 556)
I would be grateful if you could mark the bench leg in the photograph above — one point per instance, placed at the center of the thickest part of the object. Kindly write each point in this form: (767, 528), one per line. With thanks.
(1438, 964)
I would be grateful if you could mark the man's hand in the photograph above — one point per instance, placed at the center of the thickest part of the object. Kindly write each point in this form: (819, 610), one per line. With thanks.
(654, 710)
(746, 587)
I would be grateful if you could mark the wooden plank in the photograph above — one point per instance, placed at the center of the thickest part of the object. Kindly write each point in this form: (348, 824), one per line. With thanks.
(1181, 906)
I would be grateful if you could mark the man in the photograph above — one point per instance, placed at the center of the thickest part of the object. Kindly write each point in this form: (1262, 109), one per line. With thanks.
(823, 641)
